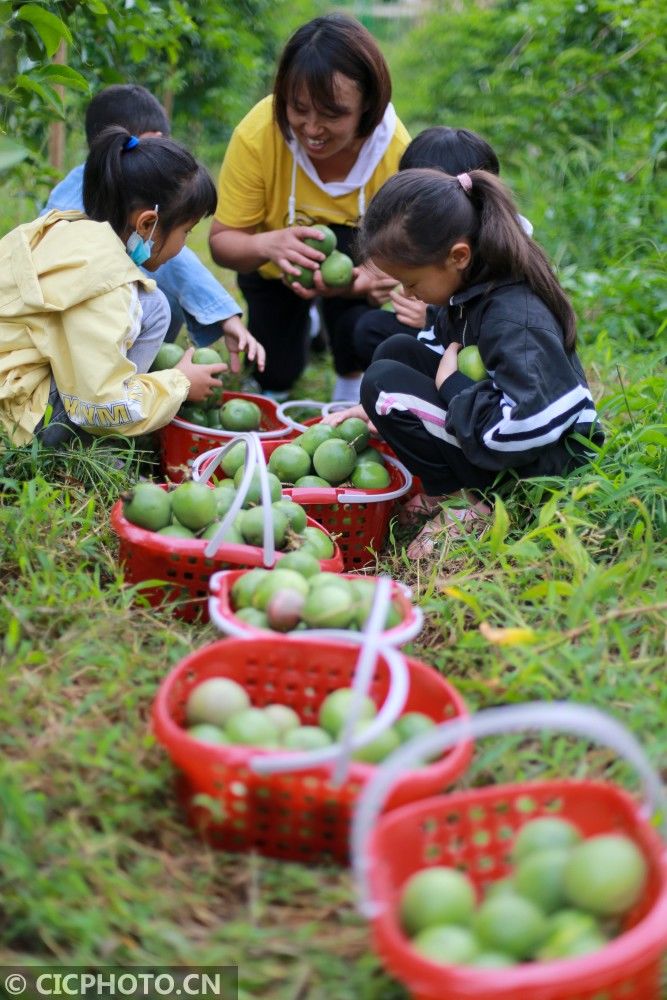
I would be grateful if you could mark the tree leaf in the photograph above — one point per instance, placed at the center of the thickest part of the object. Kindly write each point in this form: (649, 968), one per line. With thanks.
(47, 94)
(48, 26)
(55, 73)
(11, 153)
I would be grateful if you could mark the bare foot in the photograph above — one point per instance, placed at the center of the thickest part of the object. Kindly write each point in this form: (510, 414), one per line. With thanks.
(454, 522)
(418, 506)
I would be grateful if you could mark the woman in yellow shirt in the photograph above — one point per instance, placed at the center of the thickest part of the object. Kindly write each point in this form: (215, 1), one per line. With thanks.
(315, 151)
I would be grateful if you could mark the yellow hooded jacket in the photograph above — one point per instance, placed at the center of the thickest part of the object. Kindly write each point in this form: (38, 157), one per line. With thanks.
(69, 306)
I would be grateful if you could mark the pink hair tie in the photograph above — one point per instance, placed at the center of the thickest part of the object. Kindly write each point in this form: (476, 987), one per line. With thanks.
(465, 181)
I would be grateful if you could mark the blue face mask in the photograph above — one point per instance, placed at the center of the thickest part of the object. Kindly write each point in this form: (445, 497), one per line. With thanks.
(140, 250)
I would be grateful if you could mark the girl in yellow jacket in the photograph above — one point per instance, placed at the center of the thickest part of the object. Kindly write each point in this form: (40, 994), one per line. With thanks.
(80, 323)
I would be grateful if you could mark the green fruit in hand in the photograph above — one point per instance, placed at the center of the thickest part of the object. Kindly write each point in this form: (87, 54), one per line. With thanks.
(329, 607)
(388, 306)
(542, 834)
(449, 945)
(194, 504)
(283, 717)
(379, 748)
(317, 542)
(436, 896)
(245, 586)
(176, 531)
(370, 476)
(148, 507)
(252, 727)
(254, 494)
(312, 482)
(289, 462)
(355, 431)
(336, 270)
(469, 362)
(314, 437)
(541, 878)
(240, 415)
(167, 356)
(252, 526)
(302, 562)
(335, 709)
(295, 513)
(206, 356)
(206, 733)
(277, 580)
(511, 924)
(306, 738)
(305, 277)
(605, 874)
(215, 701)
(327, 245)
(334, 460)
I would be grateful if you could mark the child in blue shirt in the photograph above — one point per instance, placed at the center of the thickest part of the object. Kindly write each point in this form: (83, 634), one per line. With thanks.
(193, 293)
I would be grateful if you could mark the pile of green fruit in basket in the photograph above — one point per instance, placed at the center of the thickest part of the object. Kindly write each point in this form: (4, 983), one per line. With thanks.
(564, 898)
(324, 456)
(336, 269)
(297, 595)
(219, 711)
(194, 511)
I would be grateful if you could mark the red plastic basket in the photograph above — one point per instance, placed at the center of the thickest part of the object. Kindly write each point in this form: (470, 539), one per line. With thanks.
(181, 442)
(222, 614)
(177, 568)
(474, 831)
(300, 815)
(358, 519)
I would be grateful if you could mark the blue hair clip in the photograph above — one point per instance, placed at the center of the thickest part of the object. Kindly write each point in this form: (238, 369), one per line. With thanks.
(130, 143)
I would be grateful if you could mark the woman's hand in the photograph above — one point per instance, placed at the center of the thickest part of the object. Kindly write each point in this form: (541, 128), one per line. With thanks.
(338, 416)
(448, 364)
(411, 312)
(285, 247)
(202, 377)
(237, 339)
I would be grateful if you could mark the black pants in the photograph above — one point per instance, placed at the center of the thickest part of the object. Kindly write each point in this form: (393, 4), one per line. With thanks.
(279, 320)
(402, 374)
(373, 328)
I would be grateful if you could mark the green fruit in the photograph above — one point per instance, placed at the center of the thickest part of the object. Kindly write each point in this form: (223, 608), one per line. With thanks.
(305, 277)
(215, 701)
(501, 887)
(388, 306)
(240, 415)
(289, 462)
(206, 733)
(252, 727)
(283, 717)
(335, 709)
(571, 933)
(370, 476)
(412, 724)
(605, 874)
(194, 415)
(254, 494)
(302, 562)
(511, 924)
(283, 612)
(541, 878)
(307, 738)
(447, 944)
(334, 460)
(469, 362)
(176, 531)
(324, 578)
(314, 436)
(355, 431)
(214, 420)
(437, 895)
(337, 270)
(277, 580)
(252, 616)
(492, 960)
(378, 748)
(224, 498)
(148, 507)
(329, 607)
(234, 459)
(206, 356)
(167, 356)
(327, 245)
(252, 526)
(295, 513)
(542, 834)
(245, 586)
(214, 401)
(232, 535)
(194, 504)
(317, 542)
(312, 481)
(371, 454)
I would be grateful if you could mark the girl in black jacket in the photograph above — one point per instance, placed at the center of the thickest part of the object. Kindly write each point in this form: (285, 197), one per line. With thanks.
(456, 242)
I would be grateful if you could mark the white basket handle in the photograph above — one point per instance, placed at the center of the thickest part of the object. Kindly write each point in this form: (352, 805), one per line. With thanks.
(582, 720)
(302, 404)
(254, 461)
(354, 496)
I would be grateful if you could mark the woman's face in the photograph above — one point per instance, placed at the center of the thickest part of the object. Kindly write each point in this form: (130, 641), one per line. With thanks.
(324, 134)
